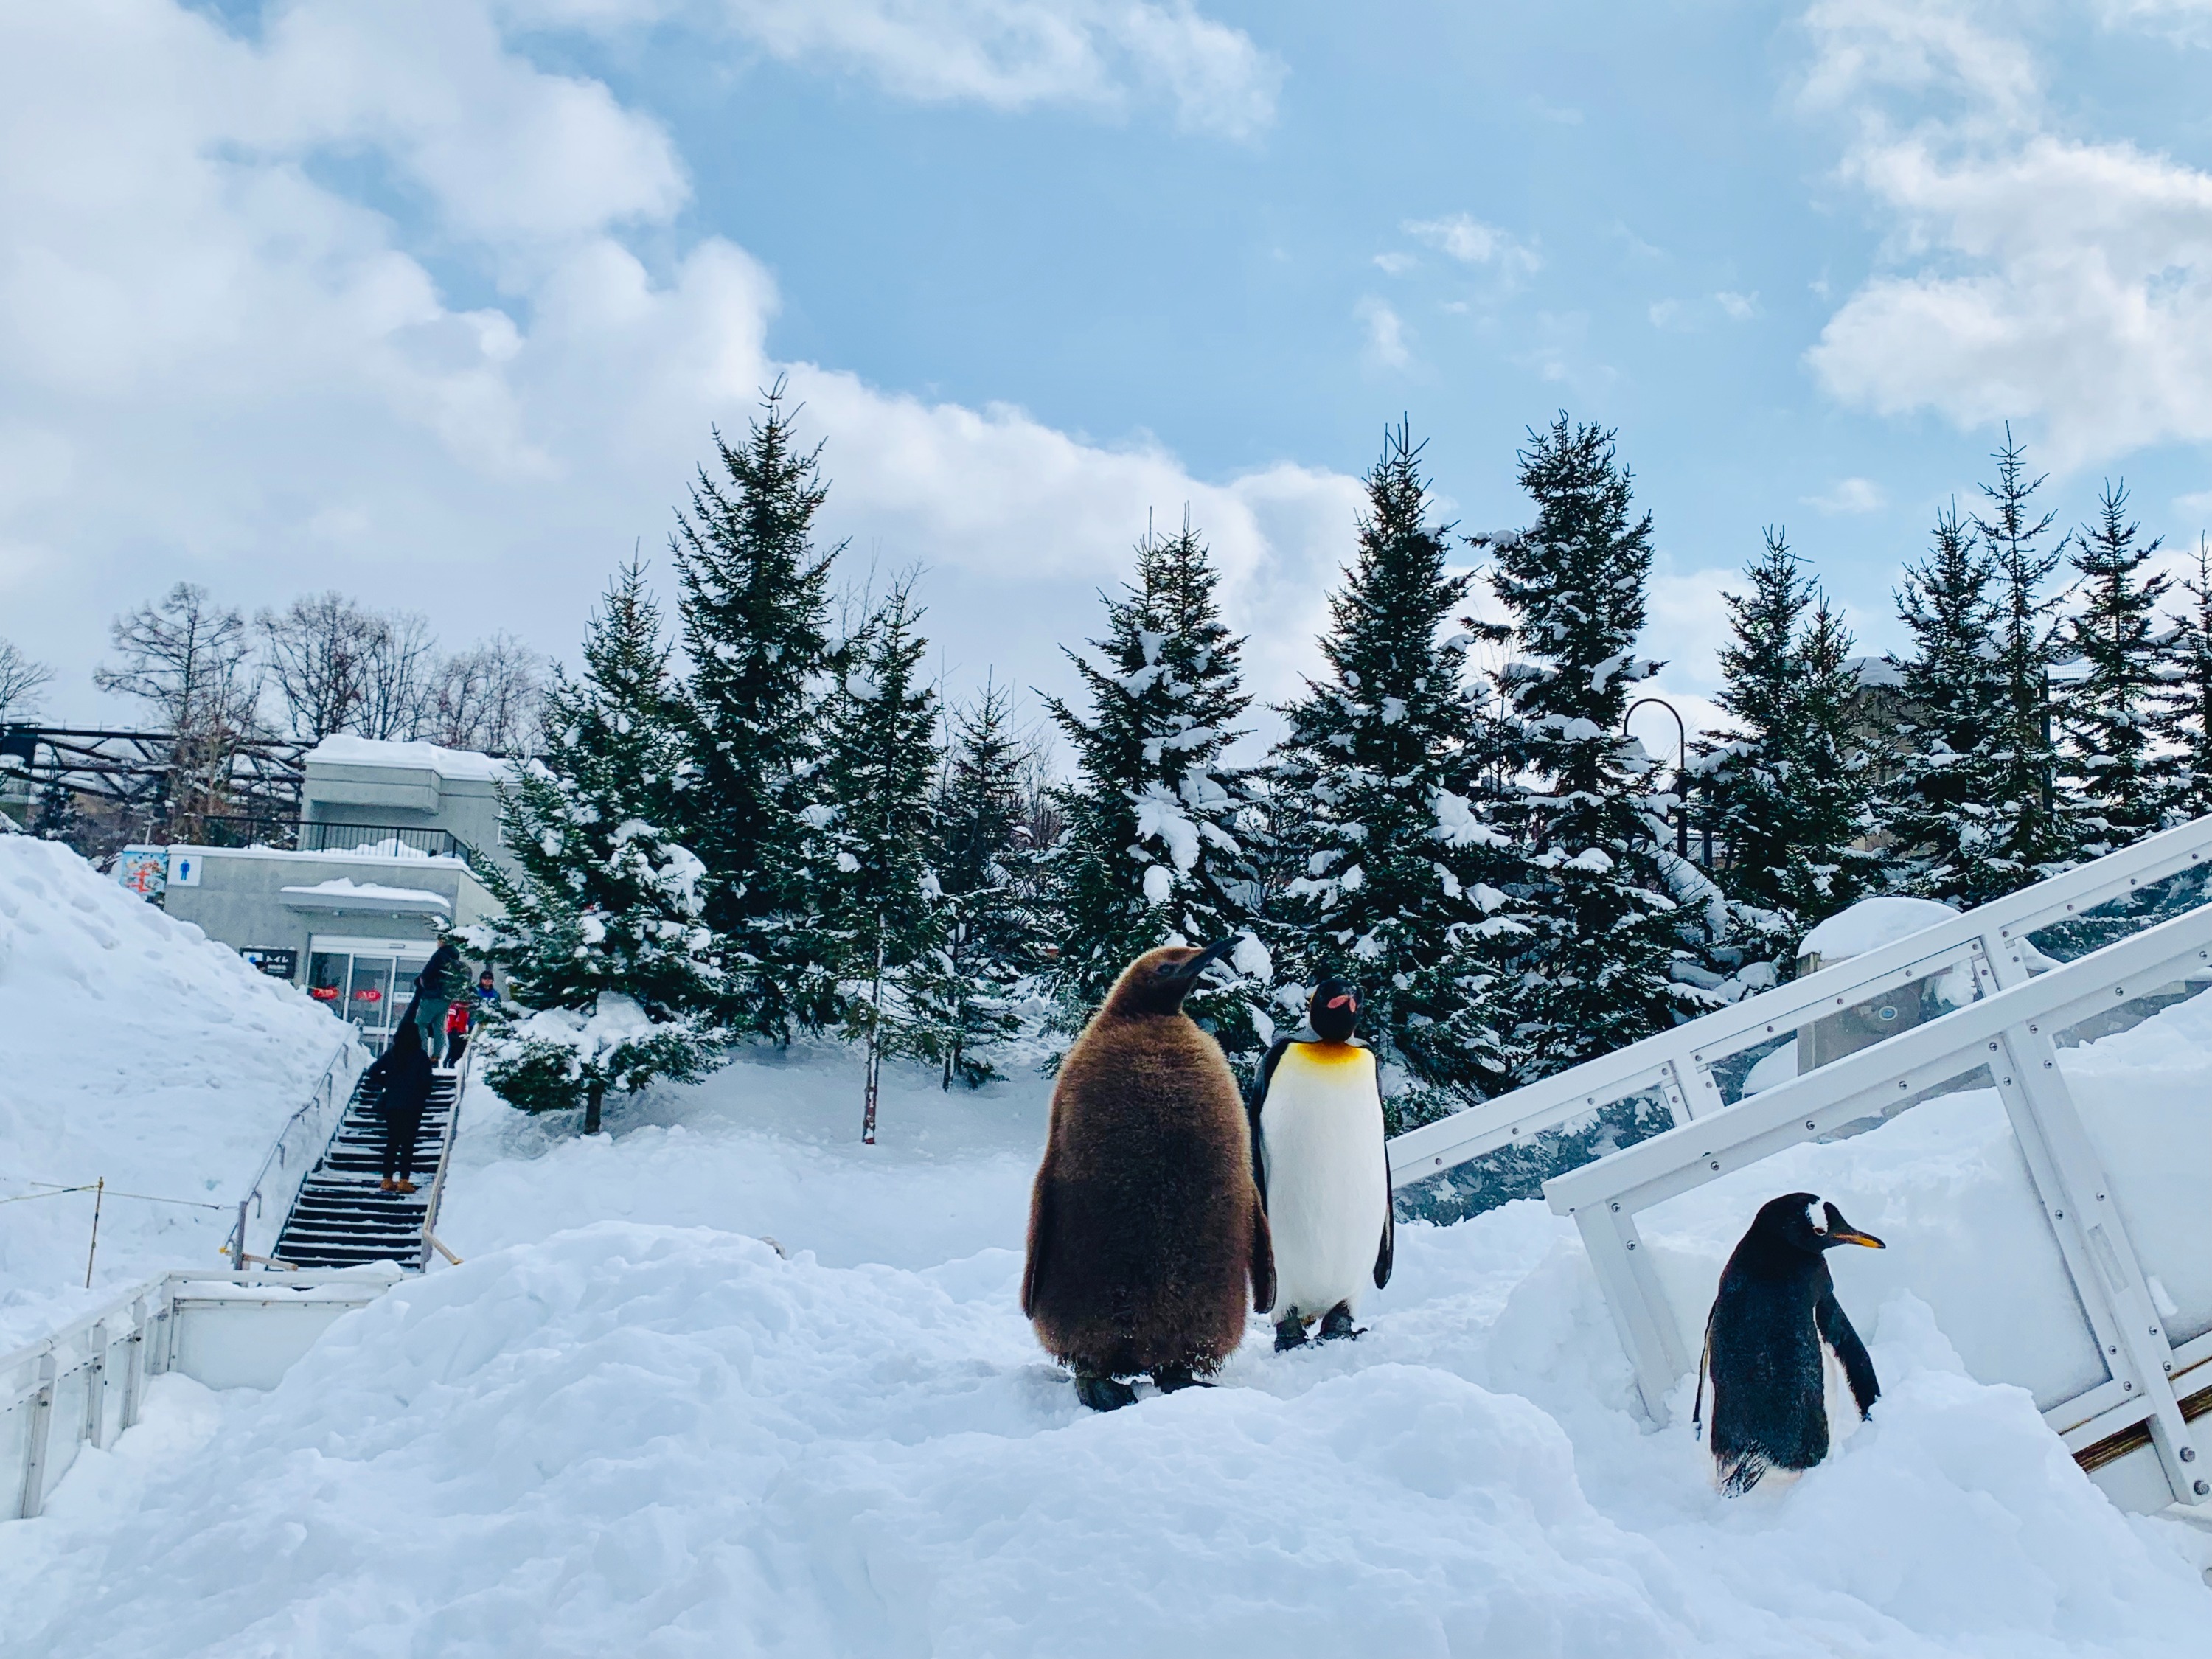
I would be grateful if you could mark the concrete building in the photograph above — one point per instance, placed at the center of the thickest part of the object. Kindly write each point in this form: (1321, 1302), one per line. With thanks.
(390, 840)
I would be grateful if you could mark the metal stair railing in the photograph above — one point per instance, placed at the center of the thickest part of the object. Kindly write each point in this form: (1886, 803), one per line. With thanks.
(1678, 1067)
(2145, 1402)
(290, 1156)
(430, 1240)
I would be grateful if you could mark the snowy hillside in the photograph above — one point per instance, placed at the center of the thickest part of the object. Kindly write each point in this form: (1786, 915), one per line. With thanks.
(132, 1048)
(602, 1435)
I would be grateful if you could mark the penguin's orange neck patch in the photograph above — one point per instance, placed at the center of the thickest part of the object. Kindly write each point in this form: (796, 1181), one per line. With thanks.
(1330, 1053)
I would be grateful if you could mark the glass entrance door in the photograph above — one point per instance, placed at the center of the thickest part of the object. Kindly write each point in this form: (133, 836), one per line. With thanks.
(367, 982)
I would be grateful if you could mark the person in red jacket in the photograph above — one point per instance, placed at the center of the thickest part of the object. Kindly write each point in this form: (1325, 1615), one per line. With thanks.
(457, 1031)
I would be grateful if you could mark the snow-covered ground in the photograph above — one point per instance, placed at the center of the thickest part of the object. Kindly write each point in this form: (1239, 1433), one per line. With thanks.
(625, 1426)
(132, 1048)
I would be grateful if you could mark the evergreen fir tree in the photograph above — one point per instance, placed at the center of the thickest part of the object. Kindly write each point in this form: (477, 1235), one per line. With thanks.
(1152, 854)
(1931, 807)
(2181, 723)
(612, 974)
(878, 926)
(1788, 790)
(755, 611)
(988, 937)
(2033, 833)
(1602, 889)
(1402, 882)
(2111, 709)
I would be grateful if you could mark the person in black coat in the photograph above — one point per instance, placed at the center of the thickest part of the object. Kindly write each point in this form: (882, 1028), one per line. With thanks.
(402, 1077)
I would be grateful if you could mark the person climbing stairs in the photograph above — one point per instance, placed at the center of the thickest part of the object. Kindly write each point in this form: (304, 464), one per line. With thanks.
(340, 1217)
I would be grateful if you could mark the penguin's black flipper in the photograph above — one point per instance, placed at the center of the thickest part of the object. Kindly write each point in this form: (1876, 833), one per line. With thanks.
(1388, 1249)
(1835, 1329)
(1263, 1262)
(1253, 1101)
(1040, 1241)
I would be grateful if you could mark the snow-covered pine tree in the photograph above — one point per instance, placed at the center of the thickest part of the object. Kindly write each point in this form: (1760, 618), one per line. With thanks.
(2182, 724)
(1377, 791)
(1787, 790)
(2035, 832)
(612, 978)
(877, 926)
(1931, 806)
(988, 938)
(1603, 890)
(2109, 712)
(1152, 854)
(754, 609)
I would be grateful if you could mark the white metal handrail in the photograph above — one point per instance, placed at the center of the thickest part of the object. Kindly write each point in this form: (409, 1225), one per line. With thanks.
(444, 1160)
(2011, 1033)
(85, 1383)
(304, 1132)
(1677, 1066)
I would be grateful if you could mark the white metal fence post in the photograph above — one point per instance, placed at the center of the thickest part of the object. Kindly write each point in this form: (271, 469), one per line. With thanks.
(2100, 1257)
(34, 1490)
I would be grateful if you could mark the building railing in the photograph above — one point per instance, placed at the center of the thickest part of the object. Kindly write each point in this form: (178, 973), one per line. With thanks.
(390, 841)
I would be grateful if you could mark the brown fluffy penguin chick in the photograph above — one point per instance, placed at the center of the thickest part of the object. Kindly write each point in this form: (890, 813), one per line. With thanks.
(1147, 1241)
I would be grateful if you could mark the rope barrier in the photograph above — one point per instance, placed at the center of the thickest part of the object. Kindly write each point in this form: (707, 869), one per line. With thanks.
(57, 1190)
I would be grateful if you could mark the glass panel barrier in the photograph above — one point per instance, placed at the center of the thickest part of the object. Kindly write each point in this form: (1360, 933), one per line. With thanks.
(2137, 1072)
(2132, 912)
(1943, 1182)
(1519, 1170)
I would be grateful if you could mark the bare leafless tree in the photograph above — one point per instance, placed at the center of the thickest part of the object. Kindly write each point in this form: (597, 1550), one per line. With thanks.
(398, 688)
(191, 662)
(20, 681)
(318, 650)
(487, 697)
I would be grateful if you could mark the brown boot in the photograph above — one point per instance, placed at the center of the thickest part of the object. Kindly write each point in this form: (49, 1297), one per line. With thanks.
(406, 1186)
(388, 1185)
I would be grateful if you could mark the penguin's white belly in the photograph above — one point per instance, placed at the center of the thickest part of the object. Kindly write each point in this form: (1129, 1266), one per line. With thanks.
(1328, 1188)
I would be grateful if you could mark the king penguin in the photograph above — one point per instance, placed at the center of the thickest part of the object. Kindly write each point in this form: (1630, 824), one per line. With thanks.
(1775, 1326)
(1323, 1170)
(1146, 1235)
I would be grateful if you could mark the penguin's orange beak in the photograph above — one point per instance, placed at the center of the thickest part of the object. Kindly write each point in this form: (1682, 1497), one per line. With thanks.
(1852, 1236)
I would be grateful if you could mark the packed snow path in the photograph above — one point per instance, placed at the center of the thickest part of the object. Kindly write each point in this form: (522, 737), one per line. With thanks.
(341, 1218)
(656, 1439)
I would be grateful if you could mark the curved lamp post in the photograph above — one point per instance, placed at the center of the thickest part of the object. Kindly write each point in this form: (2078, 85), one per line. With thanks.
(1681, 767)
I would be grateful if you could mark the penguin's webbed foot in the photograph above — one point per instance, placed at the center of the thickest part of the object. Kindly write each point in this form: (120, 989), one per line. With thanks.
(1288, 1334)
(1102, 1393)
(1172, 1379)
(1336, 1324)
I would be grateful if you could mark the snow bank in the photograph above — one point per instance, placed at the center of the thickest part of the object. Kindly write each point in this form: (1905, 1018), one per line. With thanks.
(605, 1433)
(134, 1048)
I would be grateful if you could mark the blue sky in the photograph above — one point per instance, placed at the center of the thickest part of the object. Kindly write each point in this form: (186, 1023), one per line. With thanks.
(434, 302)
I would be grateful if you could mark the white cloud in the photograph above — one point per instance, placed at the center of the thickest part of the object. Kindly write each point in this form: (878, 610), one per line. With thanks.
(1740, 307)
(1386, 332)
(1471, 242)
(1016, 54)
(2034, 274)
(1395, 265)
(1849, 495)
(217, 365)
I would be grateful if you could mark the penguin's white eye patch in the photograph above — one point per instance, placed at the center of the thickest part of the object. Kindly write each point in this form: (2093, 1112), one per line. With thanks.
(1813, 1215)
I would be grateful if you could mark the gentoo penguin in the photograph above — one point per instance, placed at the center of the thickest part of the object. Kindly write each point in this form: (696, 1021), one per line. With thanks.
(1323, 1171)
(1774, 1326)
(1146, 1232)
